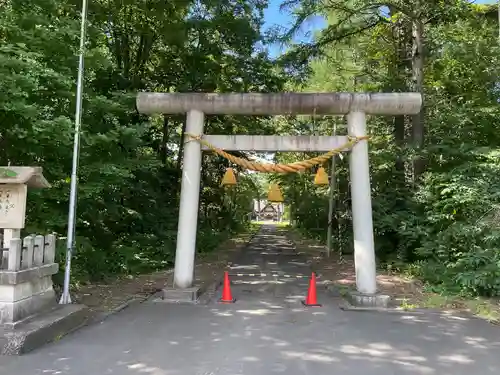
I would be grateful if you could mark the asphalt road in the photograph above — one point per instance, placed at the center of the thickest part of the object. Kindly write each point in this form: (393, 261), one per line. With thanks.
(268, 331)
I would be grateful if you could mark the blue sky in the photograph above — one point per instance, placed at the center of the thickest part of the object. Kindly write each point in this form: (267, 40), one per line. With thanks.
(274, 17)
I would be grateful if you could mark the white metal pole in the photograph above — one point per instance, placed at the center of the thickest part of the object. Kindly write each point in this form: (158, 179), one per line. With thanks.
(189, 206)
(362, 222)
(65, 297)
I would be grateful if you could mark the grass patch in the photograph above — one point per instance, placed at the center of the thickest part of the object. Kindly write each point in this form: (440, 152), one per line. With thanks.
(487, 309)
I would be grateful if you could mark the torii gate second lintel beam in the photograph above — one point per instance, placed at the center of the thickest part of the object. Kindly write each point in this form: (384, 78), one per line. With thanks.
(355, 105)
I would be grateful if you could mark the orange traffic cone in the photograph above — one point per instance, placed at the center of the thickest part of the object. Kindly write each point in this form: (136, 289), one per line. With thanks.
(311, 299)
(226, 290)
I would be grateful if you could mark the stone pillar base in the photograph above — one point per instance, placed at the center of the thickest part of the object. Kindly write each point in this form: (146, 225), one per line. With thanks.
(42, 328)
(26, 293)
(187, 295)
(362, 301)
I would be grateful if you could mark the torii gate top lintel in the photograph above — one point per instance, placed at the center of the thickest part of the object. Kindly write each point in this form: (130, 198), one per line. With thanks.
(279, 103)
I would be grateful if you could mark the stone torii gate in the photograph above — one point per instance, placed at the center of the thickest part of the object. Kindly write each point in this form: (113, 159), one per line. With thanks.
(355, 105)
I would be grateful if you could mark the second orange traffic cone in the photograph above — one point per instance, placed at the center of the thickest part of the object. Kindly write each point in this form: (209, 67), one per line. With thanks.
(311, 299)
(226, 290)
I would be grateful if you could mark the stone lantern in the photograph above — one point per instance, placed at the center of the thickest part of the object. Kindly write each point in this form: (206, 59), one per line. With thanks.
(29, 314)
(14, 183)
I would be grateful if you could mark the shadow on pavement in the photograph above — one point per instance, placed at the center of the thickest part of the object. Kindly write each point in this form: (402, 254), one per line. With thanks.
(268, 331)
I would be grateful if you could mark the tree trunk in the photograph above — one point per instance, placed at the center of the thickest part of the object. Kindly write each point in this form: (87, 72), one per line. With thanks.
(418, 124)
(332, 203)
(402, 64)
(204, 182)
(181, 146)
(164, 140)
(401, 35)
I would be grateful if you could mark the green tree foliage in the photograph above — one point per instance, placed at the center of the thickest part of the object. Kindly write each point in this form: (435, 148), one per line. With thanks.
(435, 176)
(444, 224)
(129, 177)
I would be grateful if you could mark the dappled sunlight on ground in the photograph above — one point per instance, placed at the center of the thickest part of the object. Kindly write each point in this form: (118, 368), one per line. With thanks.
(241, 339)
(269, 331)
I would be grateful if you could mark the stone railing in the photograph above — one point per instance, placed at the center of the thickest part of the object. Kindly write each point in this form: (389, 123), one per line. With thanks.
(26, 270)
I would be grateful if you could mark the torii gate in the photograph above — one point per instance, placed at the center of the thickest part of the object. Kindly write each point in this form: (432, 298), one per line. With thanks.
(355, 105)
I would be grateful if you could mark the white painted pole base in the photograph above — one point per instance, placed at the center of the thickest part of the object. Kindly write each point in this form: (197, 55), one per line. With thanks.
(190, 196)
(364, 249)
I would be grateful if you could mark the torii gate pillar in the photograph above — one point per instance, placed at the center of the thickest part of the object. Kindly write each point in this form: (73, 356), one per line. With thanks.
(362, 224)
(189, 205)
(356, 106)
